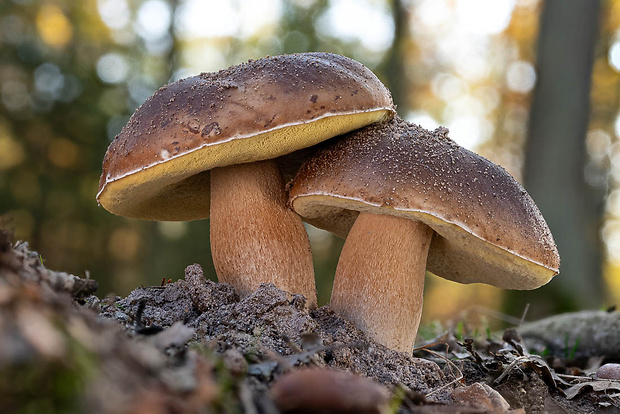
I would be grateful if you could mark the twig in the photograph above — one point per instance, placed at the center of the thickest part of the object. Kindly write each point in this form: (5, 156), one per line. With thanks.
(527, 308)
(450, 363)
(497, 315)
(298, 351)
(511, 367)
(247, 401)
(577, 377)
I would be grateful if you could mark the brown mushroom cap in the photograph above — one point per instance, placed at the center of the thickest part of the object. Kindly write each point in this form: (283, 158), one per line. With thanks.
(487, 228)
(258, 110)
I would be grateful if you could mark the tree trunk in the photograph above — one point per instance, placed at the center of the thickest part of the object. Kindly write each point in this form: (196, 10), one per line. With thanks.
(555, 151)
(394, 67)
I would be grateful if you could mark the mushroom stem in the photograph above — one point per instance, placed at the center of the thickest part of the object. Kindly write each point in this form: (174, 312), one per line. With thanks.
(379, 280)
(255, 237)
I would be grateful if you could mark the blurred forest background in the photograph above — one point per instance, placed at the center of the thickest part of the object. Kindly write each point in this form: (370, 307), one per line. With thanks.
(532, 85)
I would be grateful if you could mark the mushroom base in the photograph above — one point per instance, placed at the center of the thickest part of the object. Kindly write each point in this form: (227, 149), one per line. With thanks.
(379, 280)
(255, 237)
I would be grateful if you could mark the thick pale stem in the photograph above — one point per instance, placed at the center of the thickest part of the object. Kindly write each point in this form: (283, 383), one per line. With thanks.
(255, 237)
(380, 278)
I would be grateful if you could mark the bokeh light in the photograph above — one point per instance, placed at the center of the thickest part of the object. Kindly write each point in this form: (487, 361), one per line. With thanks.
(114, 13)
(72, 74)
(112, 68)
(364, 21)
(54, 27)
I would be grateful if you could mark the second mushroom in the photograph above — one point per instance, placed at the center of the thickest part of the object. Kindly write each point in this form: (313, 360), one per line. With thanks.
(408, 200)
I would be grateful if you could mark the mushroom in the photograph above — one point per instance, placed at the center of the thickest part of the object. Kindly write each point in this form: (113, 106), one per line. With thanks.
(205, 147)
(410, 200)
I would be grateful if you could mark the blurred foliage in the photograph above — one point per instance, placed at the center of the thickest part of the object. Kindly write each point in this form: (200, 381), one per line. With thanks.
(71, 74)
(69, 83)
(57, 117)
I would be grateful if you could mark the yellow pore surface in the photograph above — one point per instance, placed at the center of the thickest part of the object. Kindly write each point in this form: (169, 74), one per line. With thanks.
(175, 189)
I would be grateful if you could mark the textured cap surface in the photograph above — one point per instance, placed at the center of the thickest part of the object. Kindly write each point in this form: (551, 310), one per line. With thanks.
(487, 227)
(258, 110)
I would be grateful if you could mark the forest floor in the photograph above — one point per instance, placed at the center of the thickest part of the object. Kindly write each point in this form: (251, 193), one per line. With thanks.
(193, 346)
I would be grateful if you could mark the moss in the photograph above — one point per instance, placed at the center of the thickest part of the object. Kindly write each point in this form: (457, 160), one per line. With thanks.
(42, 387)
(229, 386)
(48, 385)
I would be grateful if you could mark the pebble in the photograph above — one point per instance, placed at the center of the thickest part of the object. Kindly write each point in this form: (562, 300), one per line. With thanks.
(608, 371)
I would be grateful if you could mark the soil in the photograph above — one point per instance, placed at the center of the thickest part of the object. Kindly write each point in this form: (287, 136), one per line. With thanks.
(195, 346)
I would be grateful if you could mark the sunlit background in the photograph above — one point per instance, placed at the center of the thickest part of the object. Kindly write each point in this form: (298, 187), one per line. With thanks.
(72, 72)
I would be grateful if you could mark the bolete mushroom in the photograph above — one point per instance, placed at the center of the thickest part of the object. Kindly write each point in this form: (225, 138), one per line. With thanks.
(205, 147)
(410, 200)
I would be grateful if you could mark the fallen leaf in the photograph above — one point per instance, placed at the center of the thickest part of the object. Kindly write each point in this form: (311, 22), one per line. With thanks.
(599, 385)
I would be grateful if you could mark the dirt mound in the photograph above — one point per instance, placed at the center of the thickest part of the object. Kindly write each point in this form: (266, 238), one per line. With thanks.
(270, 324)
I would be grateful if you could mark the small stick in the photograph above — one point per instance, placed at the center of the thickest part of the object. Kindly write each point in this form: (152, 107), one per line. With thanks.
(510, 368)
(452, 364)
(482, 310)
(527, 308)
